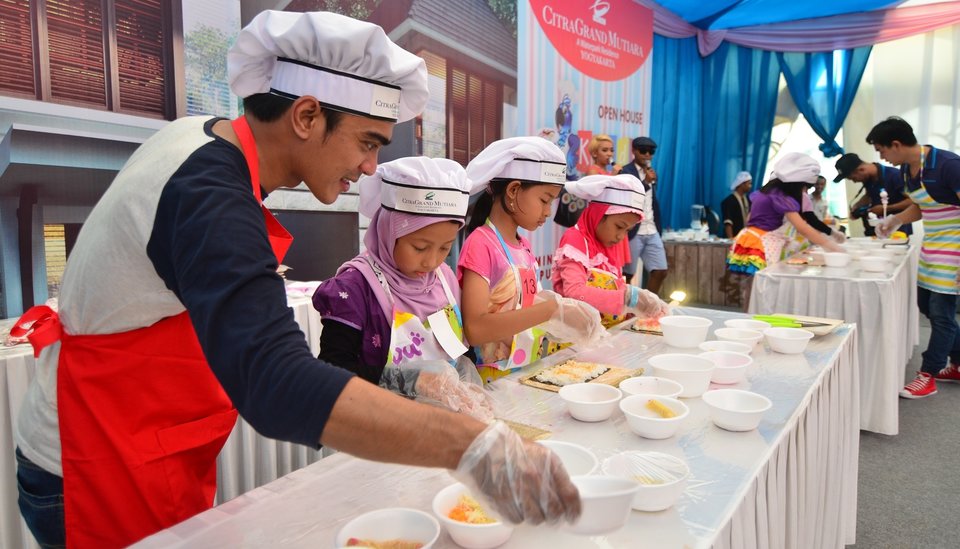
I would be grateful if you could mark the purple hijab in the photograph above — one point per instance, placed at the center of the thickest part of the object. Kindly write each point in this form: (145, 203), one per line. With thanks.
(420, 296)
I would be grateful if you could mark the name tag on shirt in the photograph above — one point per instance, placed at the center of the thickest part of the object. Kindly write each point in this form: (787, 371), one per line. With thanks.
(444, 334)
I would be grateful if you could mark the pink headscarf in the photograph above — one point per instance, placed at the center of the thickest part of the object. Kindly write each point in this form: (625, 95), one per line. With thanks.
(419, 296)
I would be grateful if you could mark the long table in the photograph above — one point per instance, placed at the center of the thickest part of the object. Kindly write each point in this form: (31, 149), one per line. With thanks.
(882, 304)
(247, 460)
(790, 483)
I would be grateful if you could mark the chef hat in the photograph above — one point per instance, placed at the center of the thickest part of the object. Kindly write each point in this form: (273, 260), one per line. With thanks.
(741, 177)
(348, 65)
(418, 185)
(624, 192)
(797, 168)
(527, 158)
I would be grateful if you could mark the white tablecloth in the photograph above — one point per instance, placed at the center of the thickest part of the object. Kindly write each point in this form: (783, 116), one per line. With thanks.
(790, 483)
(248, 460)
(883, 305)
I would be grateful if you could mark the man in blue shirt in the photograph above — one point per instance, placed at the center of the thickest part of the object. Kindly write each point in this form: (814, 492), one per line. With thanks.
(875, 178)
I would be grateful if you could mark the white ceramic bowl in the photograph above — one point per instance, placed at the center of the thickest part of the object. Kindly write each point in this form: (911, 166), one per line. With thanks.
(874, 263)
(605, 502)
(649, 424)
(651, 385)
(740, 335)
(836, 259)
(393, 523)
(721, 345)
(685, 331)
(464, 534)
(731, 367)
(671, 472)
(736, 410)
(788, 340)
(746, 324)
(857, 252)
(576, 459)
(691, 371)
(590, 401)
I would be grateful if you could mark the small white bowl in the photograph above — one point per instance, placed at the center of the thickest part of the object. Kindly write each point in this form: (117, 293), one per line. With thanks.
(746, 324)
(884, 252)
(590, 401)
(788, 341)
(736, 410)
(651, 385)
(576, 459)
(740, 335)
(464, 534)
(731, 367)
(874, 263)
(836, 259)
(685, 331)
(393, 523)
(605, 502)
(856, 253)
(673, 471)
(649, 424)
(721, 345)
(691, 371)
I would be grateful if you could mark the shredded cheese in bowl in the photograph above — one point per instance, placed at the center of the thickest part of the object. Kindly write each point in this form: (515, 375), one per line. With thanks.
(468, 510)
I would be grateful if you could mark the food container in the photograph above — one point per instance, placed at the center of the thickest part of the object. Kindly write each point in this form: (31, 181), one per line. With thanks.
(740, 335)
(690, 371)
(836, 259)
(396, 523)
(465, 534)
(650, 385)
(649, 424)
(590, 401)
(857, 252)
(746, 324)
(788, 340)
(736, 410)
(874, 263)
(605, 502)
(723, 345)
(731, 367)
(662, 477)
(684, 331)
(576, 459)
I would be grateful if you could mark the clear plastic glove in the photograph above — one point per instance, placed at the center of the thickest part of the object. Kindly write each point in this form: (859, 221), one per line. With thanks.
(574, 321)
(838, 236)
(437, 382)
(831, 246)
(646, 304)
(887, 226)
(522, 481)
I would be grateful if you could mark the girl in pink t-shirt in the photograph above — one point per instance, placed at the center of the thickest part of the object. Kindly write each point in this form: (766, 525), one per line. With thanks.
(502, 304)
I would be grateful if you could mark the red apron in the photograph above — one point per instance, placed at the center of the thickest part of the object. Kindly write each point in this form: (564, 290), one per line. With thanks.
(142, 417)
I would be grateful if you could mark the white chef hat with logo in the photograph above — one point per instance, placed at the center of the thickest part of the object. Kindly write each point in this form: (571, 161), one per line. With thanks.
(418, 185)
(348, 65)
(528, 158)
(624, 193)
(797, 167)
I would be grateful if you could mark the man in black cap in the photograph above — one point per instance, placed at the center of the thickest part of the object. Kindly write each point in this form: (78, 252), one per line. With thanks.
(645, 240)
(875, 178)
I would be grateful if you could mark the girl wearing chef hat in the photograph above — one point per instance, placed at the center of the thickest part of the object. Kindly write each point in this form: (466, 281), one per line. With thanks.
(391, 314)
(776, 210)
(589, 260)
(505, 313)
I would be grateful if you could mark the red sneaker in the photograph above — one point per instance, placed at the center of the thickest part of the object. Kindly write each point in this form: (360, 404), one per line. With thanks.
(950, 374)
(922, 386)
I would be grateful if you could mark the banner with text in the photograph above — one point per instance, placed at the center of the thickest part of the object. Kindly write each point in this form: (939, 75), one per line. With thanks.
(583, 68)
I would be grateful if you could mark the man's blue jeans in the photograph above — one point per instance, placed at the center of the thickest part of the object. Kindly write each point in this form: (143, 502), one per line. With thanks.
(41, 502)
(941, 309)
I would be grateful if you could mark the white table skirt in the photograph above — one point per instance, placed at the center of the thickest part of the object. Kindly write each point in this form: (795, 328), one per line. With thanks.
(884, 307)
(247, 460)
(790, 483)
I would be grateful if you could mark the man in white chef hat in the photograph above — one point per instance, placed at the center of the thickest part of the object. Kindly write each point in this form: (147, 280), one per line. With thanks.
(172, 317)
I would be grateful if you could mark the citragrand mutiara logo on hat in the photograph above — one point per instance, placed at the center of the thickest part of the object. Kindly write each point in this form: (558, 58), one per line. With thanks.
(418, 200)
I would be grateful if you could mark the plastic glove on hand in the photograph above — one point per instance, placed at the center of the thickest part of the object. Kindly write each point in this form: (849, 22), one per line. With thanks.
(647, 304)
(523, 481)
(574, 321)
(831, 246)
(437, 382)
(838, 236)
(887, 226)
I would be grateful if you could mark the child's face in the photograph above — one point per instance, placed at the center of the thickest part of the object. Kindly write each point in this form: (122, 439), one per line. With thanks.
(422, 251)
(604, 153)
(613, 228)
(531, 206)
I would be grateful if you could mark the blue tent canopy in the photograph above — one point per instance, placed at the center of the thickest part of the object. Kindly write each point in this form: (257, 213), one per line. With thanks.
(726, 14)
